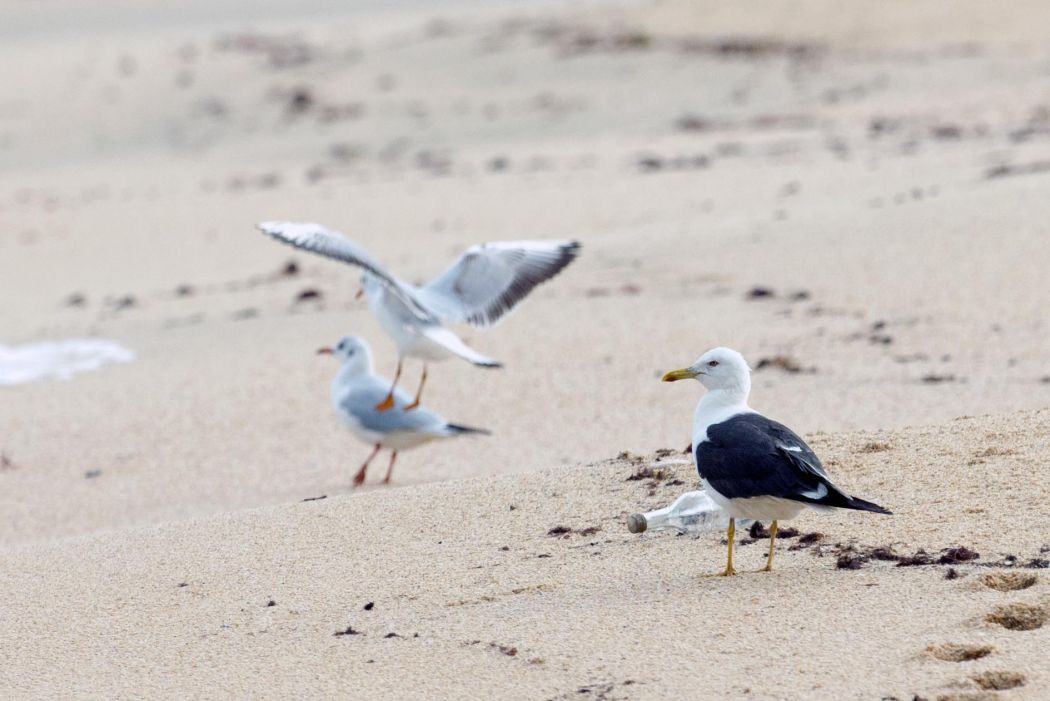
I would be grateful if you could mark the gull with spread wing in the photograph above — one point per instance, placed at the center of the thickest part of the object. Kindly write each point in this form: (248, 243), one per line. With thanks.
(486, 282)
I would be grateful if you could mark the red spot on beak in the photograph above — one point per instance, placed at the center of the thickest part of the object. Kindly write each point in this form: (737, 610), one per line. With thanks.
(324, 351)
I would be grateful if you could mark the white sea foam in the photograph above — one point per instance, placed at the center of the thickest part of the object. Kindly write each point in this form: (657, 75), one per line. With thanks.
(58, 359)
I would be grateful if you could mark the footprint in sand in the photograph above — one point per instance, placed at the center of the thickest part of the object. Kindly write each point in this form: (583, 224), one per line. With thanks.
(958, 652)
(1014, 616)
(1009, 581)
(998, 681)
(969, 696)
(1020, 616)
(989, 683)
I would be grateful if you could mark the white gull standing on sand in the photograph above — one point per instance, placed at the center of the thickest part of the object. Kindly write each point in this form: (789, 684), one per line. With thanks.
(485, 283)
(355, 392)
(751, 466)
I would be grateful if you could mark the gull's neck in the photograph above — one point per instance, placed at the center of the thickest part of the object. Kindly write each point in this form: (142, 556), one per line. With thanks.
(348, 372)
(715, 407)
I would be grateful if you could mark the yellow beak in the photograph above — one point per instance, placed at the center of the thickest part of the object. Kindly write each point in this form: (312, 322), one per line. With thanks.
(683, 374)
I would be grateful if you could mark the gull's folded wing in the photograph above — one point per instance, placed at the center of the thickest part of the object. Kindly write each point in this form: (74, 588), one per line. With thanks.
(362, 397)
(750, 456)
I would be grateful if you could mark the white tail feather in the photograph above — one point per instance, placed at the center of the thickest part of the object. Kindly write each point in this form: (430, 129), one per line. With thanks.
(455, 345)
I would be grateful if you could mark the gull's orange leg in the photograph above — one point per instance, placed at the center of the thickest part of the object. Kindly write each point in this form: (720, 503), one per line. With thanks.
(389, 401)
(419, 394)
(359, 478)
(390, 470)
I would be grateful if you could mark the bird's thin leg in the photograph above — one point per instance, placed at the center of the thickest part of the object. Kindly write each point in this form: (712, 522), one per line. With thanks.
(389, 401)
(729, 571)
(390, 470)
(419, 394)
(359, 478)
(772, 542)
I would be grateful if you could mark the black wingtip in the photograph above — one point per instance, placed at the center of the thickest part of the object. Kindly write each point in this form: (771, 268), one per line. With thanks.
(569, 253)
(863, 505)
(464, 430)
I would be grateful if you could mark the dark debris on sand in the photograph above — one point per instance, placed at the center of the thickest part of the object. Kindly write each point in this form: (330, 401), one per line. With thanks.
(646, 472)
(850, 561)
(349, 631)
(123, 302)
(920, 558)
(782, 362)
(806, 540)
(507, 650)
(760, 293)
(852, 556)
(953, 556)
(936, 379)
(565, 531)
(757, 531)
(1007, 170)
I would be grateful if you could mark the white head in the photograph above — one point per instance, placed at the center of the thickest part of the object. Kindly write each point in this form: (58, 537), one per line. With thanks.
(718, 369)
(353, 352)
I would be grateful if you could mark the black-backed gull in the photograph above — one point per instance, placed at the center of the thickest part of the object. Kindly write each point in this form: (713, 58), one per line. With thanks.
(751, 466)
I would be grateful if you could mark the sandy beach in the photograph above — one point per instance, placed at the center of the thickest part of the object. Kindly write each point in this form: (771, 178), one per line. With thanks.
(855, 199)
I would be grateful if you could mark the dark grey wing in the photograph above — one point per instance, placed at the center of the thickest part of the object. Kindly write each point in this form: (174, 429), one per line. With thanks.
(333, 244)
(752, 456)
(488, 280)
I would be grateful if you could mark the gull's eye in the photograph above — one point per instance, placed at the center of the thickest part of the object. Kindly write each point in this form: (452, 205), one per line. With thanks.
(712, 363)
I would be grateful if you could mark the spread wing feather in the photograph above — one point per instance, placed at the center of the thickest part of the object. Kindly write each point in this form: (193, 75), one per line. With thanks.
(333, 244)
(489, 279)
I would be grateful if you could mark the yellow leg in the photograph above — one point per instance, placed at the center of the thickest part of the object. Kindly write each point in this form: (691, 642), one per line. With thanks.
(729, 571)
(772, 542)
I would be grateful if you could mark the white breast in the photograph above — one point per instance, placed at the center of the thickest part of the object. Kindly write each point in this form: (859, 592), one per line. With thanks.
(708, 413)
(392, 316)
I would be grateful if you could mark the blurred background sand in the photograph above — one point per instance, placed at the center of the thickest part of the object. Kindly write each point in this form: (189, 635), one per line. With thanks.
(880, 169)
